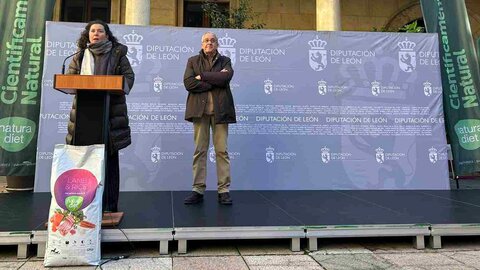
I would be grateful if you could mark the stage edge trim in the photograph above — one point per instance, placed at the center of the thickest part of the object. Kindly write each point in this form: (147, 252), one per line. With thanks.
(367, 231)
(115, 235)
(211, 233)
(455, 229)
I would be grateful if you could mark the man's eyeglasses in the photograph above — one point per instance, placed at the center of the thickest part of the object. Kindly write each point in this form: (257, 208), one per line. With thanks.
(209, 40)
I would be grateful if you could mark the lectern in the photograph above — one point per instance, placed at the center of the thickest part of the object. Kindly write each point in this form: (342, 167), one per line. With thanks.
(92, 114)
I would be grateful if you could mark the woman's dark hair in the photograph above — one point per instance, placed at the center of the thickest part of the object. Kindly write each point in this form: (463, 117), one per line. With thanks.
(84, 39)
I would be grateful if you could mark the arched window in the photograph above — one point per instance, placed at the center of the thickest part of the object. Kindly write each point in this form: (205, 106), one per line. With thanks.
(85, 10)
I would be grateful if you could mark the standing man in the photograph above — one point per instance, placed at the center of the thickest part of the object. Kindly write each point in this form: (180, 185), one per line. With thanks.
(209, 105)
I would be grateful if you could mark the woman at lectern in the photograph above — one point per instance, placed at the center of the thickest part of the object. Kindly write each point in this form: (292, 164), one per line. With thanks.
(100, 53)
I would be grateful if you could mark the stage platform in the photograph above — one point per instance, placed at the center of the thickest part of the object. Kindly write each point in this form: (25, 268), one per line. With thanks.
(161, 216)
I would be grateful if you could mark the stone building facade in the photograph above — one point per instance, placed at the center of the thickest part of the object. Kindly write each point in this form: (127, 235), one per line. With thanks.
(348, 15)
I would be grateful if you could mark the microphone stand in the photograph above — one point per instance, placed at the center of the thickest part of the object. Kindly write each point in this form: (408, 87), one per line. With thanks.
(65, 60)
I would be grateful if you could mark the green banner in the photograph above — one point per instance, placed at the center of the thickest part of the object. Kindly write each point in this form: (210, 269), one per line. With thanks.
(460, 79)
(22, 24)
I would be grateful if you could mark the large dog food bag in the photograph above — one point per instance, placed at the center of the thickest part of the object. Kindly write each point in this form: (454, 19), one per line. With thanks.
(76, 208)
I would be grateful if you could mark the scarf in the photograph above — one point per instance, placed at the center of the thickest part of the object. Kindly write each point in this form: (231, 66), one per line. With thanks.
(88, 62)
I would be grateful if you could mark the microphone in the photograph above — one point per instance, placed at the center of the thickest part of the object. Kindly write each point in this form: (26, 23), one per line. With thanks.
(71, 55)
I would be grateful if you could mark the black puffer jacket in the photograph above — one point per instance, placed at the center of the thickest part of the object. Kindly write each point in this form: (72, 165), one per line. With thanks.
(119, 133)
(212, 80)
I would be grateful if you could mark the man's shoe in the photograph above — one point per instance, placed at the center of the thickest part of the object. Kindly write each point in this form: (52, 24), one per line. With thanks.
(224, 198)
(193, 198)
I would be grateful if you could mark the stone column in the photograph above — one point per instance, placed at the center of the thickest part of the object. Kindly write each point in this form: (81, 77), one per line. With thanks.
(137, 12)
(328, 15)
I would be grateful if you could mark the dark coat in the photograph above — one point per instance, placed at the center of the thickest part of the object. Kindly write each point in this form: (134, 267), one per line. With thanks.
(119, 132)
(212, 80)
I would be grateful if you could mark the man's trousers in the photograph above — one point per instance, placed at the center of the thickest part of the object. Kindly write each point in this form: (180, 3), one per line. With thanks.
(201, 135)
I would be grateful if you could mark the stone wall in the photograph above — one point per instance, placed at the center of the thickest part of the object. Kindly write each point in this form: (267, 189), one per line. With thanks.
(366, 15)
(357, 15)
(286, 14)
(276, 14)
(163, 12)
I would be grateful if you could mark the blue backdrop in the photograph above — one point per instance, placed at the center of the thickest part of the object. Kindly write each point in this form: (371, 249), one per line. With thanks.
(315, 110)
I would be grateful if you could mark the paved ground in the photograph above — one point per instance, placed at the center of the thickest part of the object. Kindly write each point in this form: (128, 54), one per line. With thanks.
(387, 253)
(333, 254)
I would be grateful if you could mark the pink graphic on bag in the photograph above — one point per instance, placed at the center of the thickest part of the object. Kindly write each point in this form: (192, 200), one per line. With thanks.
(75, 189)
